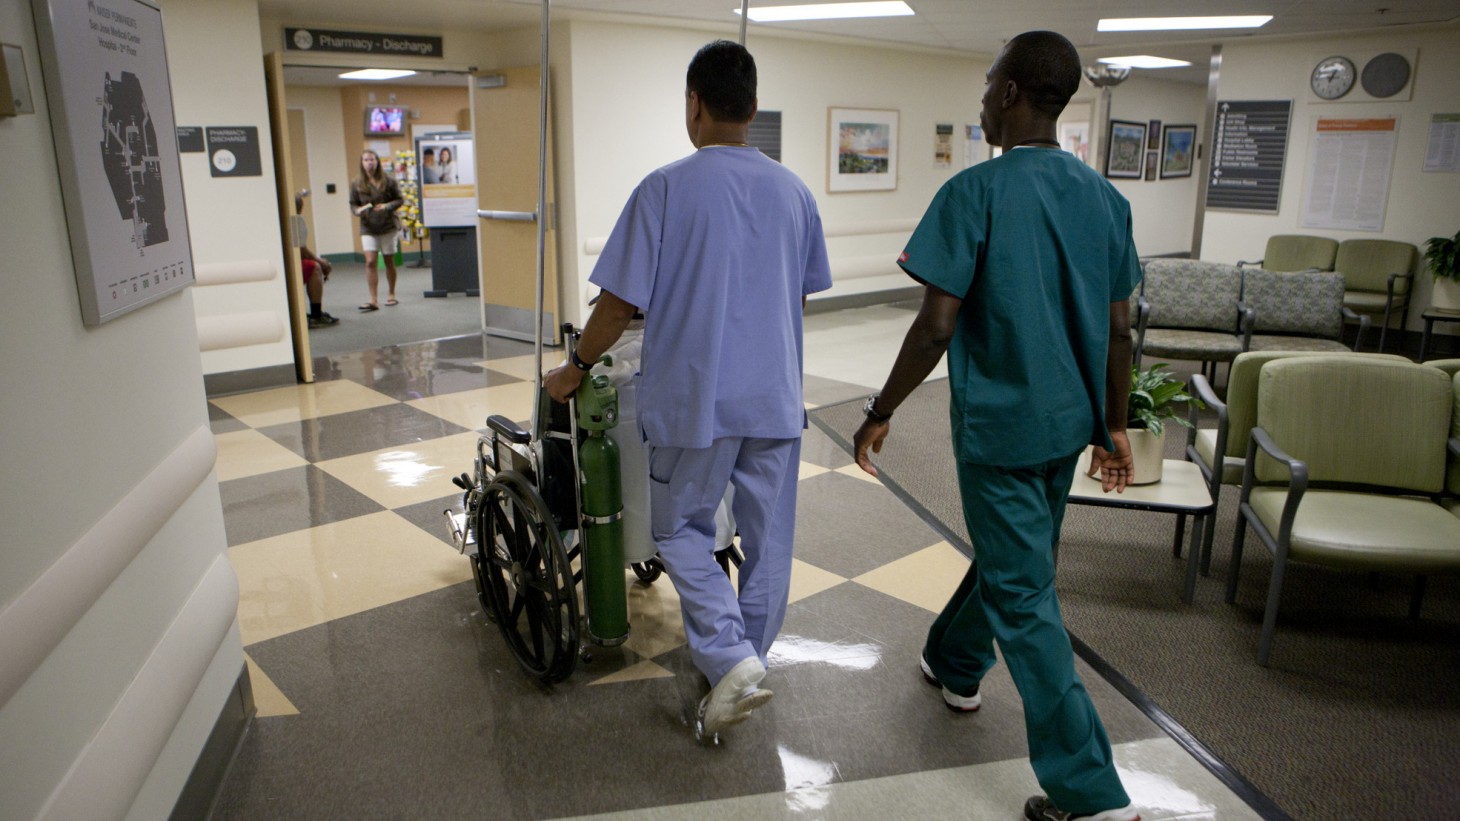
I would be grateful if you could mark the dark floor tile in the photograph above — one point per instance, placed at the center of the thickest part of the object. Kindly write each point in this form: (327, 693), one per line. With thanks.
(346, 434)
(850, 527)
(429, 517)
(257, 507)
(820, 391)
(441, 378)
(818, 448)
(221, 421)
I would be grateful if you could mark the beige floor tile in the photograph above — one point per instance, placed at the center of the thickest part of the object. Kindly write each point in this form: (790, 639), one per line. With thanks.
(292, 404)
(250, 453)
(522, 366)
(856, 472)
(407, 474)
(308, 577)
(655, 623)
(808, 470)
(267, 697)
(642, 671)
(470, 409)
(808, 580)
(926, 578)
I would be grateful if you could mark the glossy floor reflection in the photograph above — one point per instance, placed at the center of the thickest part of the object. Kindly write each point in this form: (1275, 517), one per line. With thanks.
(382, 692)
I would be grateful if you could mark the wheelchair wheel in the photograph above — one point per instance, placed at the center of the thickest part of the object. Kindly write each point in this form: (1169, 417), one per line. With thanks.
(526, 578)
(648, 572)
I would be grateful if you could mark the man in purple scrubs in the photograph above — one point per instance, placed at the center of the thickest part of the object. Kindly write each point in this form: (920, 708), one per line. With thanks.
(719, 251)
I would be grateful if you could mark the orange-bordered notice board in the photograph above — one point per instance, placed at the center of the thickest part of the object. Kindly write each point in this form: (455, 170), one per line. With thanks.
(1350, 163)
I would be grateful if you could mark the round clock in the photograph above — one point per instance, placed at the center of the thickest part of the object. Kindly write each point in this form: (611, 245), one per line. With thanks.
(1385, 75)
(1332, 77)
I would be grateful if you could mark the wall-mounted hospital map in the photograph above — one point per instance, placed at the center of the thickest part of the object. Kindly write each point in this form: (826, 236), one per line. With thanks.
(111, 110)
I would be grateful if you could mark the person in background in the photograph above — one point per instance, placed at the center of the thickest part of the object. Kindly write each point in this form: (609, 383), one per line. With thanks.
(446, 167)
(374, 196)
(719, 251)
(1028, 264)
(430, 174)
(316, 272)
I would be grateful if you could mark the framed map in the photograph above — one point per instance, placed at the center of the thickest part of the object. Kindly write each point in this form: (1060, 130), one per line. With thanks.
(110, 99)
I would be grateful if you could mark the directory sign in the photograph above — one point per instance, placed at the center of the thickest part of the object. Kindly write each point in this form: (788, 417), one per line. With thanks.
(1249, 149)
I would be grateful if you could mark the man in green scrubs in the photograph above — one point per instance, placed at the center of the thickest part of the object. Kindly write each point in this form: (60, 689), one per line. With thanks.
(1027, 262)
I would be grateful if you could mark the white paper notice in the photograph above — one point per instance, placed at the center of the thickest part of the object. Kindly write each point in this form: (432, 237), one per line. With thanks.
(1443, 151)
(1349, 168)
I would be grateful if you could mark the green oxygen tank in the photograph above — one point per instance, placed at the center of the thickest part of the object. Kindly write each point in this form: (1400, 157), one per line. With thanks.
(605, 591)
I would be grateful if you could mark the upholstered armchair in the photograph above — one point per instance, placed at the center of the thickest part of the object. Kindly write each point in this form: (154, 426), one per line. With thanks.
(1220, 451)
(1296, 252)
(1378, 275)
(1188, 309)
(1301, 311)
(1352, 467)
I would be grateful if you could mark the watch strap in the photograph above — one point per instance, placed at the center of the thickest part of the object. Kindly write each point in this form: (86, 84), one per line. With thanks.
(578, 362)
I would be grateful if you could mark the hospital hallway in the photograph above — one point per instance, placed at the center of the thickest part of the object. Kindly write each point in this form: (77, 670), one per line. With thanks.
(382, 692)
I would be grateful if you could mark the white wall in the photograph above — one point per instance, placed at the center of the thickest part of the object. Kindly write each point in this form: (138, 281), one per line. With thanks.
(627, 103)
(116, 597)
(233, 219)
(1420, 205)
(324, 127)
(1162, 211)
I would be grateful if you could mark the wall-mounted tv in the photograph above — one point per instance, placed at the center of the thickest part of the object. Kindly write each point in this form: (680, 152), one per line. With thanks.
(385, 121)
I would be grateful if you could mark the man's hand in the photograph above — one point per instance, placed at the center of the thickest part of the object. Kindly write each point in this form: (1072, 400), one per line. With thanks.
(326, 267)
(1117, 469)
(870, 435)
(562, 381)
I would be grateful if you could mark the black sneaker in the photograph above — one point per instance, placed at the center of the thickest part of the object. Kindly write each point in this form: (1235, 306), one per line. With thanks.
(957, 703)
(1040, 808)
(323, 321)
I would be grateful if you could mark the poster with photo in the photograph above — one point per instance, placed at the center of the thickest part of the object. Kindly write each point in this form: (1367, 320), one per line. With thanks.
(447, 172)
(110, 98)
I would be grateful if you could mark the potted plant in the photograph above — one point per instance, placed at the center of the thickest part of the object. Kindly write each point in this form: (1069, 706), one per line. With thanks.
(1441, 253)
(1156, 395)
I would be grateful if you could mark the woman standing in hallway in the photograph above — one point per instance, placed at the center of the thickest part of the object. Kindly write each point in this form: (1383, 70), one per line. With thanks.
(374, 196)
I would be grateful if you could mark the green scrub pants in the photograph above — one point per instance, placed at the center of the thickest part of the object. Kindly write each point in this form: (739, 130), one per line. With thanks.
(1014, 517)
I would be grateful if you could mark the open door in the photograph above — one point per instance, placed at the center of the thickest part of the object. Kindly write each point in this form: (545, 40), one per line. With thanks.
(505, 117)
(289, 222)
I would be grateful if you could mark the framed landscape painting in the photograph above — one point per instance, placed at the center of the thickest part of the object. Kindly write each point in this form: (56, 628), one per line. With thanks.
(861, 150)
(1125, 150)
(1178, 144)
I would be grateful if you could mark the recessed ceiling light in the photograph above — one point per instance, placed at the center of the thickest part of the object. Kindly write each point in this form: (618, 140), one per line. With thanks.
(1182, 23)
(828, 11)
(1144, 61)
(377, 74)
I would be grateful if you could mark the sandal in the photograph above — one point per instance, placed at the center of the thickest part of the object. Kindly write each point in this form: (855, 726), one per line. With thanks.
(390, 302)
(369, 306)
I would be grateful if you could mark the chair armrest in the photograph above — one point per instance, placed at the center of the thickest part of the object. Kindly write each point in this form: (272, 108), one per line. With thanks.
(1243, 263)
(1143, 317)
(1392, 278)
(1246, 319)
(1297, 480)
(1312, 270)
(1455, 446)
(1202, 390)
(1362, 319)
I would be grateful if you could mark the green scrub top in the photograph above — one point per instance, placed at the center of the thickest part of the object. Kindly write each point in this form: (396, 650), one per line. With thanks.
(1038, 245)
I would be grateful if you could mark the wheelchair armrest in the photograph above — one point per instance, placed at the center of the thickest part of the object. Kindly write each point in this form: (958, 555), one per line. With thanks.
(508, 430)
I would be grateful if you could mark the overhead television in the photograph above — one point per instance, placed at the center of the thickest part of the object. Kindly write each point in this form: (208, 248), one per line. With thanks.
(385, 121)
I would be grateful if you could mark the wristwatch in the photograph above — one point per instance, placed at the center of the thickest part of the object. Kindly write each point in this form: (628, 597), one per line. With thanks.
(579, 363)
(870, 409)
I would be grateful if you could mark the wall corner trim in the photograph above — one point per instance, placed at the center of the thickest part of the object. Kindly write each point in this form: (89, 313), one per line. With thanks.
(35, 621)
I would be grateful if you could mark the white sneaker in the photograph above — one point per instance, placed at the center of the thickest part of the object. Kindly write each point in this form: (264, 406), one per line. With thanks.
(1040, 808)
(955, 702)
(731, 701)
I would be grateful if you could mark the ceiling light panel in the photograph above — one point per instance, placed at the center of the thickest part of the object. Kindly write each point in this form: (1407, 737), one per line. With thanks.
(1182, 23)
(376, 74)
(1144, 61)
(828, 11)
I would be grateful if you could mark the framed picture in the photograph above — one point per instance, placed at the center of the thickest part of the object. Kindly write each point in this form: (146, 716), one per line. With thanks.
(1178, 146)
(1124, 150)
(110, 99)
(861, 150)
(1150, 166)
(1153, 135)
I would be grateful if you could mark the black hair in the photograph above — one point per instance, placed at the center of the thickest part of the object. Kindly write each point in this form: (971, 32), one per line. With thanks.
(723, 75)
(1046, 67)
(430, 152)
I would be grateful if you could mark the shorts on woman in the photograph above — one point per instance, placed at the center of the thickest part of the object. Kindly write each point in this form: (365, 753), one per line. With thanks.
(383, 243)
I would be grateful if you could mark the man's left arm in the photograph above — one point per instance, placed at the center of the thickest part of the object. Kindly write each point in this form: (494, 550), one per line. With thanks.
(607, 323)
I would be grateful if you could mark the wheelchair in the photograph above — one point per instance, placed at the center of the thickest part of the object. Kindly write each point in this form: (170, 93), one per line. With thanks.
(541, 540)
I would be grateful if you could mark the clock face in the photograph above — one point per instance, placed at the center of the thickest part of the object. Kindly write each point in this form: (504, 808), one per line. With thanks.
(1385, 75)
(1332, 78)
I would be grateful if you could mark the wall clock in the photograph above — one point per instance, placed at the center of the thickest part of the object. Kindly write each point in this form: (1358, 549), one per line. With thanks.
(1385, 75)
(1332, 77)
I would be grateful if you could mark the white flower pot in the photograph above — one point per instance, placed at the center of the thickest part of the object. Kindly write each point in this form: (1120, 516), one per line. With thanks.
(1446, 295)
(1149, 451)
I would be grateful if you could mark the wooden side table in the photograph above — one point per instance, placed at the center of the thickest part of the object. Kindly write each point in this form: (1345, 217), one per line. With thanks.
(1431, 316)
